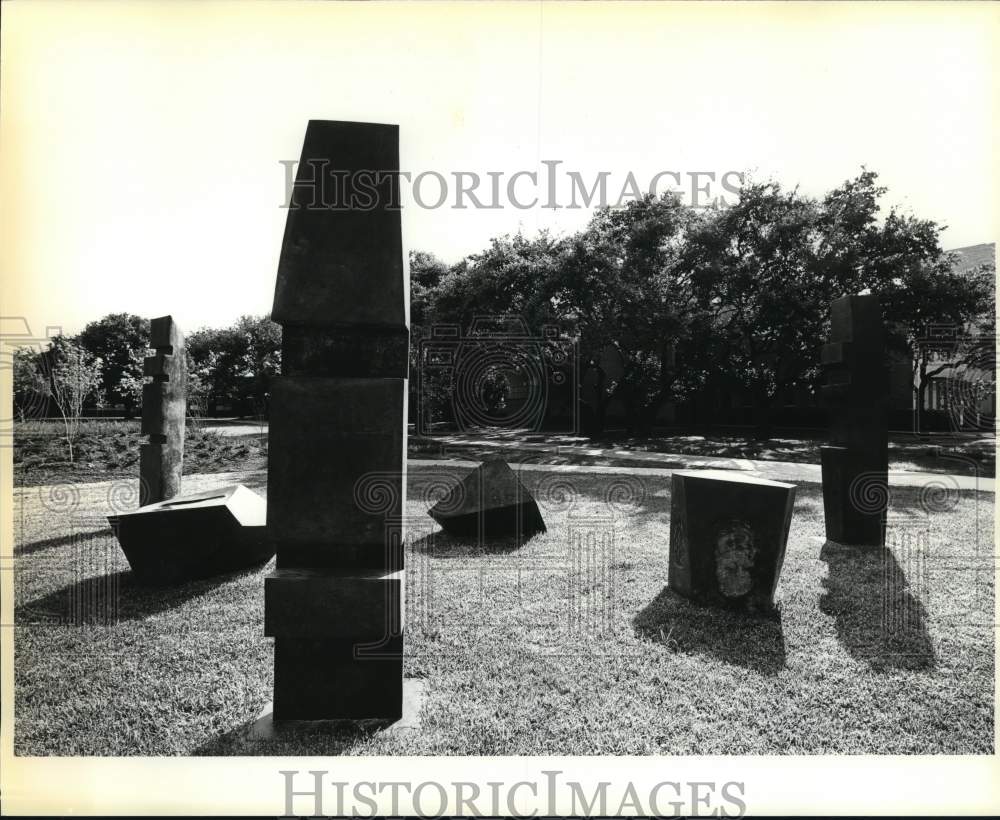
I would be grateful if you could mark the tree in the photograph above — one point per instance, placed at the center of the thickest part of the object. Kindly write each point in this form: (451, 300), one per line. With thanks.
(508, 278)
(505, 285)
(261, 361)
(426, 273)
(755, 271)
(234, 365)
(768, 267)
(945, 318)
(739, 296)
(120, 341)
(71, 376)
(627, 299)
(29, 374)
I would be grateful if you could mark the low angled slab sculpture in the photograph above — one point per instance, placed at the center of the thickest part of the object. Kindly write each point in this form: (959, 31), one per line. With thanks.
(856, 464)
(728, 533)
(174, 538)
(164, 408)
(338, 426)
(194, 536)
(490, 501)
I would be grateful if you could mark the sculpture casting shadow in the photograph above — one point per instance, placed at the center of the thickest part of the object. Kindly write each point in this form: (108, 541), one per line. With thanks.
(321, 738)
(114, 597)
(61, 541)
(442, 544)
(878, 620)
(752, 641)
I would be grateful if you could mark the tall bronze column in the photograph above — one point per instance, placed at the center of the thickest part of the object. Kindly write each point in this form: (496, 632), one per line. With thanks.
(164, 406)
(855, 466)
(338, 430)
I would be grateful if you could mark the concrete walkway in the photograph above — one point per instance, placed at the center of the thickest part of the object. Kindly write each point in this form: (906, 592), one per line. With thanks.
(787, 471)
(666, 463)
(234, 427)
(651, 463)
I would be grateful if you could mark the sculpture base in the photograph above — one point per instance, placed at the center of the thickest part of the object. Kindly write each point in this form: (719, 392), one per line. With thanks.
(267, 727)
(334, 679)
(855, 497)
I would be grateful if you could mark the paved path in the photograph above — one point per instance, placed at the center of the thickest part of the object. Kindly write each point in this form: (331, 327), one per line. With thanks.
(666, 463)
(652, 463)
(774, 470)
(234, 428)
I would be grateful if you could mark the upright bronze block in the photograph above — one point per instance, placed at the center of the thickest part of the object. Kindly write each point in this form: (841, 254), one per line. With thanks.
(164, 408)
(335, 469)
(337, 443)
(855, 466)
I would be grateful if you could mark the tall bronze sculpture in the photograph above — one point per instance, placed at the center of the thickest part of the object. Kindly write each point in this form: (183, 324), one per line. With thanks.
(337, 427)
(164, 404)
(856, 464)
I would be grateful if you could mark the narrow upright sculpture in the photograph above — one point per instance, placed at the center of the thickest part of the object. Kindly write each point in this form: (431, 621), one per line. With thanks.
(163, 409)
(855, 466)
(337, 441)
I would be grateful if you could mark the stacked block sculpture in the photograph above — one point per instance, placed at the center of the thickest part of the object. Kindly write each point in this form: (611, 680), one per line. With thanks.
(856, 464)
(172, 538)
(164, 407)
(337, 442)
(728, 534)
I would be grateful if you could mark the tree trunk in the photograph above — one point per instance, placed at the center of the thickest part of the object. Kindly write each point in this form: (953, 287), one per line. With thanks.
(762, 416)
(597, 406)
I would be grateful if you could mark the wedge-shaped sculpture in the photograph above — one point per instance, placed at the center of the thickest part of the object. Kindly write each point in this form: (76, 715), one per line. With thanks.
(194, 536)
(727, 537)
(490, 501)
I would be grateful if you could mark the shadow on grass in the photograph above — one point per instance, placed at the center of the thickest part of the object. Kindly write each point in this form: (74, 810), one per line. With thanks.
(755, 642)
(61, 541)
(878, 620)
(441, 544)
(115, 597)
(303, 738)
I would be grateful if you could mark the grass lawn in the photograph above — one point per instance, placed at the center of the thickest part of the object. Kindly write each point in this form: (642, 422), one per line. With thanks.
(561, 645)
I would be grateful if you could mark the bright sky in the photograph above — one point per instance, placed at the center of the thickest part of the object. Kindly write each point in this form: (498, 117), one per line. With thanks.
(141, 144)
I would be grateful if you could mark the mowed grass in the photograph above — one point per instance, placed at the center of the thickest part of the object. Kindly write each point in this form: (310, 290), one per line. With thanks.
(106, 448)
(566, 644)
